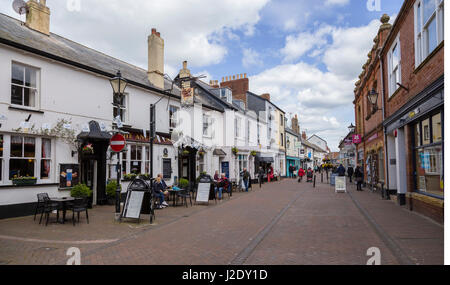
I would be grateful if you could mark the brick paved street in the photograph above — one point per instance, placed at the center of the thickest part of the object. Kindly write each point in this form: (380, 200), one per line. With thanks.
(282, 223)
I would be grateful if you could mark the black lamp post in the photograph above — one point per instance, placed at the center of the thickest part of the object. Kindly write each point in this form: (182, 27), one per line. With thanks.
(373, 98)
(118, 85)
(351, 128)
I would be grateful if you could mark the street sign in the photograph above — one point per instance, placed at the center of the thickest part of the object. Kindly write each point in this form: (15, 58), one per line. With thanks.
(117, 143)
(357, 139)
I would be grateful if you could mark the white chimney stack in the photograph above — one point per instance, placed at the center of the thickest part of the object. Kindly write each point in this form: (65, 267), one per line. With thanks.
(156, 59)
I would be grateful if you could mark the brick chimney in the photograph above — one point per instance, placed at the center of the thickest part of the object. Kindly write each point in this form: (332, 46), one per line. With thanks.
(238, 85)
(156, 59)
(266, 96)
(295, 126)
(38, 16)
(304, 137)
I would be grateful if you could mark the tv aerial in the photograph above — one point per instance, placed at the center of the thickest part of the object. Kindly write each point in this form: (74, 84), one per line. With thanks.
(20, 7)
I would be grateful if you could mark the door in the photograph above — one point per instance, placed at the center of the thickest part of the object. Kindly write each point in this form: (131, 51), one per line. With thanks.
(88, 176)
(167, 168)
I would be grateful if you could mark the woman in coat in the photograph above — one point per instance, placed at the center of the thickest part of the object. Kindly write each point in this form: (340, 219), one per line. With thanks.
(301, 173)
(359, 175)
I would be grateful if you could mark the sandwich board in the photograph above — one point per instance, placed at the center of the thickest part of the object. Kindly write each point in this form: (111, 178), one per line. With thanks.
(203, 193)
(340, 184)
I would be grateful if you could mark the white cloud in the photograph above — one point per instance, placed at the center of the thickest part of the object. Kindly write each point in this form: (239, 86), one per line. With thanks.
(250, 58)
(297, 45)
(321, 98)
(337, 2)
(120, 28)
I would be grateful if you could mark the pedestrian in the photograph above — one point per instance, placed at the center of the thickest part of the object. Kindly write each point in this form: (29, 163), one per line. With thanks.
(270, 174)
(301, 173)
(216, 176)
(246, 178)
(350, 173)
(261, 176)
(359, 175)
(158, 190)
(341, 170)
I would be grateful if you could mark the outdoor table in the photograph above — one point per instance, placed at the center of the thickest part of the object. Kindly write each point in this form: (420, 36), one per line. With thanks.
(63, 202)
(173, 194)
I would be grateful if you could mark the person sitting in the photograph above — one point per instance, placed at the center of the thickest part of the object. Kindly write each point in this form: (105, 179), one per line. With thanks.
(158, 191)
(221, 185)
(216, 176)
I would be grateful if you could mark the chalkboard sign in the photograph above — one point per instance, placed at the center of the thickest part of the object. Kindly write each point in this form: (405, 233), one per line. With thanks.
(133, 205)
(69, 175)
(203, 192)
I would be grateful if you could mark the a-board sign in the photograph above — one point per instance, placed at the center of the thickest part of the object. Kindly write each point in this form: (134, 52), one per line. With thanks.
(340, 184)
(133, 205)
(203, 192)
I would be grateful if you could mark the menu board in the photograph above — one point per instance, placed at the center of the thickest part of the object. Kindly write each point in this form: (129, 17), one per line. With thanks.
(203, 192)
(133, 205)
(69, 175)
(340, 184)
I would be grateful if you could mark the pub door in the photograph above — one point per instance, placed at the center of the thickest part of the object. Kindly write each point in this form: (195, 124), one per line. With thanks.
(89, 176)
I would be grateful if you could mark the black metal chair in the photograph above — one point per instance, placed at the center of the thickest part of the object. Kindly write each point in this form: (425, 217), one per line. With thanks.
(49, 207)
(40, 204)
(184, 194)
(78, 206)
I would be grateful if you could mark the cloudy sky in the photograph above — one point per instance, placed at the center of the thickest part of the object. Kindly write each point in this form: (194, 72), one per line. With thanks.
(306, 53)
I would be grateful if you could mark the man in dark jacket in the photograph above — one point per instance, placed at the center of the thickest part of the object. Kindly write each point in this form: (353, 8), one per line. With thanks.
(261, 176)
(350, 173)
(359, 175)
(246, 178)
(341, 170)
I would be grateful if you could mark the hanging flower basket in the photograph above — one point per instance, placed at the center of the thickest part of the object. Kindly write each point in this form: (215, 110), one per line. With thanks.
(234, 151)
(185, 152)
(88, 149)
(253, 153)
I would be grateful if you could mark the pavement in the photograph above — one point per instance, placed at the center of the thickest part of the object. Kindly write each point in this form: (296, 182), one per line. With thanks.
(284, 223)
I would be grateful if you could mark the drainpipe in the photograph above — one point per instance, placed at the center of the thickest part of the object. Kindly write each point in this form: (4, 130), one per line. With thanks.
(386, 162)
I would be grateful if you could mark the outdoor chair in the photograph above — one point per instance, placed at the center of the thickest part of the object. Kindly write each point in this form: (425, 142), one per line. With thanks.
(78, 206)
(49, 207)
(184, 194)
(40, 204)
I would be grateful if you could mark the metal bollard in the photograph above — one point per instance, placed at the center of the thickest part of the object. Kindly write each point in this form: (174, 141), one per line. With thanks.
(321, 177)
(314, 184)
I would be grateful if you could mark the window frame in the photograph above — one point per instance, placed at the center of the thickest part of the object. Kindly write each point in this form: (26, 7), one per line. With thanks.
(397, 69)
(421, 26)
(173, 117)
(36, 89)
(123, 108)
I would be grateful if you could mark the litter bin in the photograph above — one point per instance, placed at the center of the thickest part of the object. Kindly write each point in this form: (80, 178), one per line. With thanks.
(333, 178)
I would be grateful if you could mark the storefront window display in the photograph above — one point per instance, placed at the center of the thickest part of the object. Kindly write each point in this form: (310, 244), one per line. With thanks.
(429, 175)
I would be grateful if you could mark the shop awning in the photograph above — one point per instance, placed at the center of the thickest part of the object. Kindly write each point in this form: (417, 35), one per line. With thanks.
(264, 158)
(95, 133)
(219, 152)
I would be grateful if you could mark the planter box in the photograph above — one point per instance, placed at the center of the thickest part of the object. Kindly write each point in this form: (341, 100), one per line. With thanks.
(24, 182)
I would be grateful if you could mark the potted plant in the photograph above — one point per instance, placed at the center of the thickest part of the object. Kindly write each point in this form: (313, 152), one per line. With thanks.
(82, 191)
(129, 177)
(183, 183)
(88, 149)
(234, 150)
(111, 188)
(23, 181)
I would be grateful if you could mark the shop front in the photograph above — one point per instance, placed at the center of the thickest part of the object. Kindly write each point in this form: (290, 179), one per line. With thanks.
(374, 159)
(292, 161)
(415, 135)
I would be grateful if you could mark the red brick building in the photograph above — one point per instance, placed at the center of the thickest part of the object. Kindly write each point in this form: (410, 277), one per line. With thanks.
(403, 137)
(369, 117)
(413, 92)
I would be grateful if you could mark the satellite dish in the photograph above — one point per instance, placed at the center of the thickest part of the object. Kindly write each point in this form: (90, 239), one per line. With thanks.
(20, 7)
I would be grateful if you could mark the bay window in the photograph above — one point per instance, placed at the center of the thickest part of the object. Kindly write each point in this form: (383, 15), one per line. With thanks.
(24, 85)
(429, 27)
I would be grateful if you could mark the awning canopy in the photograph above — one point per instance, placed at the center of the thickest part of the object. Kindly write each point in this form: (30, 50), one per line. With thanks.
(264, 158)
(95, 133)
(219, 152)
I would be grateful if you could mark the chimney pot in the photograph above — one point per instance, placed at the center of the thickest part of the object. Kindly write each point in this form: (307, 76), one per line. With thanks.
(234, 77)
(245, 75)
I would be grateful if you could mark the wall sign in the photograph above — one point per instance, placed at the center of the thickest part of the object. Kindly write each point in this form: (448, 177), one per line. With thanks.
(68, 175)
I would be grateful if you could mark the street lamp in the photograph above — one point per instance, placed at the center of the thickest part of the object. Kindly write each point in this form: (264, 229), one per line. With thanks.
(118, 85)
(351, 128)
(373, 98)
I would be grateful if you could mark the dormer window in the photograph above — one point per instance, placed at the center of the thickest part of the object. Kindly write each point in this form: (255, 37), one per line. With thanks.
(226, 94)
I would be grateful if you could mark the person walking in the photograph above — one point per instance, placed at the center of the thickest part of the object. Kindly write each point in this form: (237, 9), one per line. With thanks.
(350, 173)
(301, 173)
(246, 178)
(341, 170)
(261, 176)
(359, 175)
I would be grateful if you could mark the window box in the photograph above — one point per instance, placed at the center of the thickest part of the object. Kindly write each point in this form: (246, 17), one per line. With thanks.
(24, 181)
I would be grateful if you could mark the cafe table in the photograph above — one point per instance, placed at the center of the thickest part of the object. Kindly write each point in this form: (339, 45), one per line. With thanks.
(64, 202)
(173, 195)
